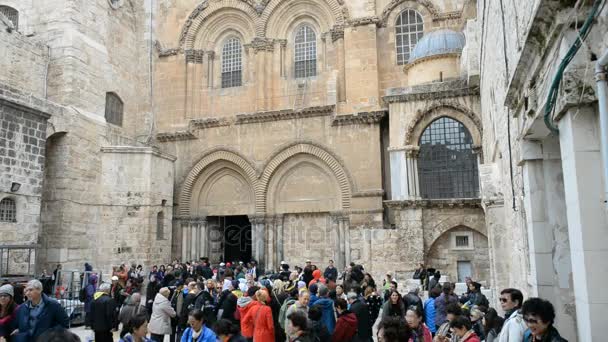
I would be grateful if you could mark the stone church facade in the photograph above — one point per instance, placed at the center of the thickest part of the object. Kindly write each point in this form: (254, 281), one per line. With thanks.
(387, 133)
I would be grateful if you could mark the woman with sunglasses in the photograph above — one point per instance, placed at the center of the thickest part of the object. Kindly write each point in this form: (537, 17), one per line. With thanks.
(8, 311)
(539, 315)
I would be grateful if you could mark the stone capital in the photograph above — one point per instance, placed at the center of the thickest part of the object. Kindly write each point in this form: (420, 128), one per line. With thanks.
(257, 219)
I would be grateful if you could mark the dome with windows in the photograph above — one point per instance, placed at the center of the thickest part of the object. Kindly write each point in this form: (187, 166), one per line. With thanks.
(438, 42)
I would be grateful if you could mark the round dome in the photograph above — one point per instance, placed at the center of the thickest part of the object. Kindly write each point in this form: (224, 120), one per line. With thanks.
(438, 43)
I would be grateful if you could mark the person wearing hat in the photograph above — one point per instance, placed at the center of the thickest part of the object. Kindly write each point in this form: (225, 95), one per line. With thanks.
(8, 310)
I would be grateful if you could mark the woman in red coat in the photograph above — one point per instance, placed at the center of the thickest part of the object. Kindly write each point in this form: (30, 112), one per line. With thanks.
(346, 326)
(263, 325)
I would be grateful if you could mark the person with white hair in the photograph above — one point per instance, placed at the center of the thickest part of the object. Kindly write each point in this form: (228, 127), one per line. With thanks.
(38, 314)
(103, 314)
(162, 312)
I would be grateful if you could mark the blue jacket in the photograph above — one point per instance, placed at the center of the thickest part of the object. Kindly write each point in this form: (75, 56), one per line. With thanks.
(207, 336)
(53, 316)
(328, 319)
(129, 338)
(429, 314)
(313, 300)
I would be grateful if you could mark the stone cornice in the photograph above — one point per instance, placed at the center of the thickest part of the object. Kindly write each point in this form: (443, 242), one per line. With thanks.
(364, 21)
(24, 108)
(286, 114)
(138, 150)
(493, 202)
(362, 118)
(435, 203)
(208, 123)
(337, 32)
(366, 211)
(544, 31)
(369, 193)
(259, 44)
(195, 56)
(190, 219)
(166, 52)
(431, 91)
(175, 136)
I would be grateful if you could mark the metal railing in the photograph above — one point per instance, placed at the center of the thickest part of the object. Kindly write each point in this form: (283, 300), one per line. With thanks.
(66, 290)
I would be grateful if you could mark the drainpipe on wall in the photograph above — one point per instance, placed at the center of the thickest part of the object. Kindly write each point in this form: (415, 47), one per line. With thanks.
(601, 77)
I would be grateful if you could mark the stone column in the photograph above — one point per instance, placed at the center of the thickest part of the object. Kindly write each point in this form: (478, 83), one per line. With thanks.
(547, 226)
(344, 222)
(338, 236)
(258, 239)
(587, 221)
(185, 227)
(193, 238)
(411, 162)
(210, 66)
(204, 238)
(279, 244)
(337, 37)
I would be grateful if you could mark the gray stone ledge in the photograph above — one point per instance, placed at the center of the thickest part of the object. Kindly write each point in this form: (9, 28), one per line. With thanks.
(435, 203)
(432, 91)
(285, 114)
(138, 150)
(368, 118)
(175, 136)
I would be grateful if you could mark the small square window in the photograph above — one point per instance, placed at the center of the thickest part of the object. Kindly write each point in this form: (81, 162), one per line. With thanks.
(462, 241)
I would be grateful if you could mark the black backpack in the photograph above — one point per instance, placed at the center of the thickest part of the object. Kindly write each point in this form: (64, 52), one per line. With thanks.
(82, 295)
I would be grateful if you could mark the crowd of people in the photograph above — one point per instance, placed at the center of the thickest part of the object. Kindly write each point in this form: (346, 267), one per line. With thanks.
(235, 302)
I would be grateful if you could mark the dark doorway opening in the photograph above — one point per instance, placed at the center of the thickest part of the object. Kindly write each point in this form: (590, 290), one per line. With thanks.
(237, 238)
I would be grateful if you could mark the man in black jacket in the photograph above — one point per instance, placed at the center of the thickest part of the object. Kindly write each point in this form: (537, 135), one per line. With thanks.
(412, 299)
(331, 273)
(364, 323)
(103, 314)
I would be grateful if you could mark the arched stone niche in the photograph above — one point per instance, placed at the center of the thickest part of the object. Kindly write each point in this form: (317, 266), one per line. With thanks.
(443, 256)
(303, 184)
(222, 189)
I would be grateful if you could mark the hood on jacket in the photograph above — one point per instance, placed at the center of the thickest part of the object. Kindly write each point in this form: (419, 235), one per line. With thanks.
(93, 279)
(160, 299)
(244, 301)
(98, 294)
(324, 303)
(316, 274)
(349, 317)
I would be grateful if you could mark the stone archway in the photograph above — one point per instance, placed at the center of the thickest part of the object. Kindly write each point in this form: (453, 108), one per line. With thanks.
(332, 163)
(452, 110)
(445, 255)
(240, 165)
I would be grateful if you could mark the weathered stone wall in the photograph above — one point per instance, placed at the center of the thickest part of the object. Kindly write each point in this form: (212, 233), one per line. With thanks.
(444, 257)
(22, 143)
(24, 62)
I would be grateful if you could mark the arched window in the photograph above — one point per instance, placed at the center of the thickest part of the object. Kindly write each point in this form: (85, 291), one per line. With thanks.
(409, 29)
(305, 52)
(12, 15)
(8, 210)
(160, 225)
(232, 63)
(114, 109)
(447, 165)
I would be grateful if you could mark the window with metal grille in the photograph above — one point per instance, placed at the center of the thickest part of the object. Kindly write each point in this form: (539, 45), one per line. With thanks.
(12, 15)
(8, 210)
(232, 63)
(447, 165)
(409, 28)
(305, 52)
(114, 109)
(462, 241)
(160, 225)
